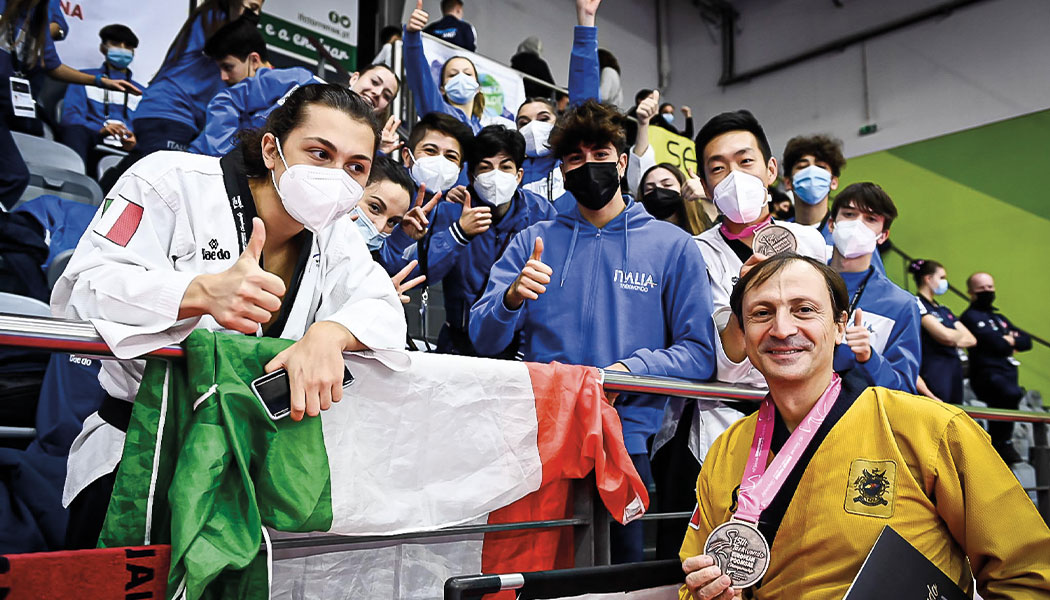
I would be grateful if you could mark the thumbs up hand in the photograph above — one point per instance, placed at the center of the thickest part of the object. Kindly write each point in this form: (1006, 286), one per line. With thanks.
(475, 220)
(241, 297)
(418, 20)
(531, 282)
(858, 338)
(693, 188)
(648, 108)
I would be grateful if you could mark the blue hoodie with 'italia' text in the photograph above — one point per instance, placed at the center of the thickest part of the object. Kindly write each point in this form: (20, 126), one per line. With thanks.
(634, 291)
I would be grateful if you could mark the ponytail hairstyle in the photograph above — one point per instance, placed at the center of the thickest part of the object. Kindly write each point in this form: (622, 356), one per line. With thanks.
(292, 113)
(920, 268)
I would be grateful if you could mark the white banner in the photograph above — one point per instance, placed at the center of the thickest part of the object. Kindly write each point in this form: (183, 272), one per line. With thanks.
(155, 22)
(503, 87)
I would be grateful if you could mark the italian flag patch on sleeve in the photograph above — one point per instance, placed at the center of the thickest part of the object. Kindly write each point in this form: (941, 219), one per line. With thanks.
(120, 220)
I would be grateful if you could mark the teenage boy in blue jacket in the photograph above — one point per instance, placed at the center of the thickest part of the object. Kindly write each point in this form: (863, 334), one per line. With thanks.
(469, 234)
(603, 284)
(883, 333)
(434, 155)
(91, 114)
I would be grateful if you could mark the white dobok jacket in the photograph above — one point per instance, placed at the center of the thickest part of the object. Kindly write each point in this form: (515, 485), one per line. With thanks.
(174, 216)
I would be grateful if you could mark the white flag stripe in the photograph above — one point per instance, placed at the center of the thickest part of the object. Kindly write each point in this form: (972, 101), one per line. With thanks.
(390, 480)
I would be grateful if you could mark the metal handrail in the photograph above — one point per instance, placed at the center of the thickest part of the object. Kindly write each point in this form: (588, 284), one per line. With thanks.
(80, 337)
(59, 335)
(315, 541)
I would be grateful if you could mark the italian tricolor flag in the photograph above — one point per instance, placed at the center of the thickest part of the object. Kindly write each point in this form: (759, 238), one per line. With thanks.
(120, 220)
(448, 440)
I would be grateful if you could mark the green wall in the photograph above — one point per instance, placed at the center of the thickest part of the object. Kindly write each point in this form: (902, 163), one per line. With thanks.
(977, 200)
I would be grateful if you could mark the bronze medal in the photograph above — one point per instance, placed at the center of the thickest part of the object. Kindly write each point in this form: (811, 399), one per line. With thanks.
(740, 551)
(772, 240)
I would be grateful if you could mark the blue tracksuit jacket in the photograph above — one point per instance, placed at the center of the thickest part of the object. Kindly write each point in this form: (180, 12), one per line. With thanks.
(90, 106)
(246, 106)
(892, 317)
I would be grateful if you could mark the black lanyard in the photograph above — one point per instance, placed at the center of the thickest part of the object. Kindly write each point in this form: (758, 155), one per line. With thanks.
(860, 291)
(242, 204)
(106, 92)
(824, 222)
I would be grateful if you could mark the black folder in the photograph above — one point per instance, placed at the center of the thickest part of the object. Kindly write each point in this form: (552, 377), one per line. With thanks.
(895, 569)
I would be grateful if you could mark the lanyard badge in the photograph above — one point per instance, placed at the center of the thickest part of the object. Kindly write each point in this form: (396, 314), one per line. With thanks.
(22, 98)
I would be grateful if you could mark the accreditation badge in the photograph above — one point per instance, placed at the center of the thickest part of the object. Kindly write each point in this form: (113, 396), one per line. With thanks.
(740, 551)
(22, 103)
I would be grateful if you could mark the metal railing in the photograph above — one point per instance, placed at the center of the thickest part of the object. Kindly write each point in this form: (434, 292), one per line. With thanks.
(590, 520)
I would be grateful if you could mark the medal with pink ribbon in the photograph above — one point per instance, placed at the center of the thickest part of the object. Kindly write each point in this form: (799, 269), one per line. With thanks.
(738, 547)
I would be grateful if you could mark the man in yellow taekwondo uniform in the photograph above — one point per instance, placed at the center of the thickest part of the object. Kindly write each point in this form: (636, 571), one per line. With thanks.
(848, 460)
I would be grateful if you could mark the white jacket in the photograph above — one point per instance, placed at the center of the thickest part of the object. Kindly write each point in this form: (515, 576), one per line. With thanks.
(169, 219)
(723, 270)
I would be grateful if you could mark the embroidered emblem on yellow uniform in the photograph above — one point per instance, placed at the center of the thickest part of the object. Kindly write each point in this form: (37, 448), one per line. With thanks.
(870, 488)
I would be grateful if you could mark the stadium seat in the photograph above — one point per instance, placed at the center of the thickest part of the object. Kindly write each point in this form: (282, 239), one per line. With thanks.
(38, 151)
(106, 163)
(23, 305)
(62, 183)
(54, 270)
(49, 100)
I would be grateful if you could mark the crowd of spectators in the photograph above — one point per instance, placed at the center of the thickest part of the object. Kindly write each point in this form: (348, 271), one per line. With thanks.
(555, 234)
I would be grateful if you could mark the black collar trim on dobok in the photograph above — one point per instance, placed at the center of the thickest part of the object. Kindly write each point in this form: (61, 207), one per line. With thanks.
(242, 205)
(853, 385)
(239, 193)
(742, 250)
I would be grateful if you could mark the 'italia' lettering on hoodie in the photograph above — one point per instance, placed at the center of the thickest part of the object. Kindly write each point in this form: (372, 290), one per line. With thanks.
(634, 280)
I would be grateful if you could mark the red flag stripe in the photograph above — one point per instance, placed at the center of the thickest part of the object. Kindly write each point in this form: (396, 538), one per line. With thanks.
(125, 225)
(579, 431)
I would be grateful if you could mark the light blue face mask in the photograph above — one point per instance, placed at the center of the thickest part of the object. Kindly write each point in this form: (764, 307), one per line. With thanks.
(811, 184)
(373, 237)
(669, 117)
(462, 88)
(120, 57)
(942, 288)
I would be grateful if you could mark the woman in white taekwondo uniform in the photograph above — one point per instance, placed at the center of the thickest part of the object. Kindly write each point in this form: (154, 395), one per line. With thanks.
(255, 242)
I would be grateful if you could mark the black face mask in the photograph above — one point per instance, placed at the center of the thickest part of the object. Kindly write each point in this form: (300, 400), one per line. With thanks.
(593, 184)
(984, 300)
(661, 203)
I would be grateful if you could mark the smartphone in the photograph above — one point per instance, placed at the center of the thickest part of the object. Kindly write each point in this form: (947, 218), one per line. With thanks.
(275, 394)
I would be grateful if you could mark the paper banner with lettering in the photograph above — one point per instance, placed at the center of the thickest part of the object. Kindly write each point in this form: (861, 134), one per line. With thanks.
(503, 87)
(672, 148)
(155, 22)
(286, 26)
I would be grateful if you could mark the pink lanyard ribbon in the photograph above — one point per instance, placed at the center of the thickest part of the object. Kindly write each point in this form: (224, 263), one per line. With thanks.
(757, 488)
(747, 232)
